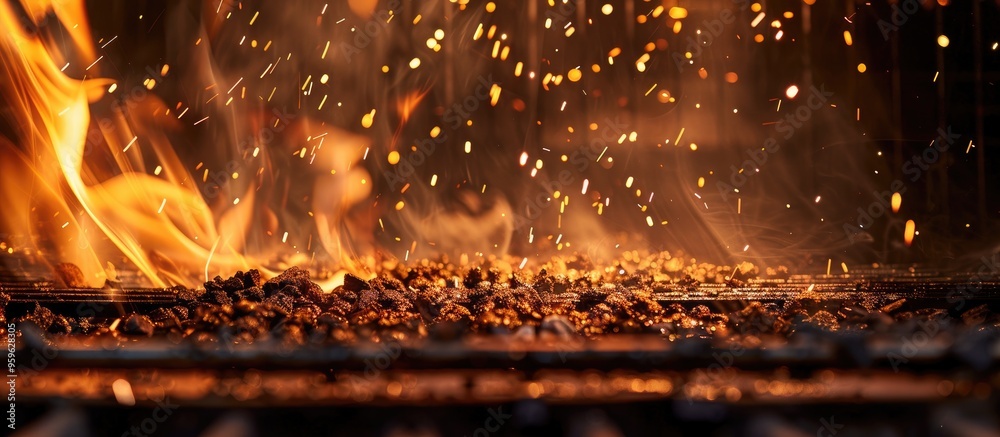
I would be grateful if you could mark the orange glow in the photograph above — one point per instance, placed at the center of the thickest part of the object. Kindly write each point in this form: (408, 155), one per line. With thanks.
(909, 232)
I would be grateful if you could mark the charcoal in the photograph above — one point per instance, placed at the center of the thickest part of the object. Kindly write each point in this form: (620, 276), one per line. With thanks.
(298, 278)
(70, 275)
(180, 312)
(60, 325)
(976, 316)
(354, 283)
(41, 317)
(252, 279)
(473, 278)
(233, 284)
(215, 284)
(254, 293)
(138, 324)
(218, 297)
(282, 301)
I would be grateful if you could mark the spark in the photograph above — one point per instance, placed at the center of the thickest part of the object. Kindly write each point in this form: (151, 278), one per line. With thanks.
(199, 121)
(234, 85)
(130, 143)
(162, 204)
(91, 65)
(109, 41)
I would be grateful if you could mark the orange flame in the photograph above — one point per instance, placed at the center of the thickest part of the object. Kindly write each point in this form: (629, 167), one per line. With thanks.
(59, 192)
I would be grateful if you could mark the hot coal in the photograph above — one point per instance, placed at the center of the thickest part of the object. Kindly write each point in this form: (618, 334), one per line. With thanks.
(445, 304)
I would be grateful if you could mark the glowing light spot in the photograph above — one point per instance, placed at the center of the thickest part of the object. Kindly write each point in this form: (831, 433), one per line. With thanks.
(400, 205)
(848, 39)
(731, 77)
(607, 9)
(367, 120)
(943, 41)
(574, 75)
(123, 392)
(677, 13)
(414, 63)
(862, 67)
(908, 233)
(897, 201)
(393, 157)
(792, 91)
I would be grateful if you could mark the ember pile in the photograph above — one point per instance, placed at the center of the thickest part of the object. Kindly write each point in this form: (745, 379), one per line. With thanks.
(416, 303)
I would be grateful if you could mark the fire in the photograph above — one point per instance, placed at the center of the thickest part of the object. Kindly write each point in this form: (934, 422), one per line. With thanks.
(65, 187)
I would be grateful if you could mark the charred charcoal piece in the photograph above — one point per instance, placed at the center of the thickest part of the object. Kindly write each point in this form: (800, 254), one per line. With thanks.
(281, 301)
(70, 275)
(255, 294)
(452, 312)
(138, 324)
(83, 325)
(473, 278)
(544, 283)
(40, 316)
(976, 316)
(60, 325)
(354, 283)
(218, 297)
(297, 278)
(755, 319)
(215, 284)
(823, 320)
(893, 306)
(185, 295)
(165, 318)
(252, 279)
(700, 312)
(4, 300)
(181, 312)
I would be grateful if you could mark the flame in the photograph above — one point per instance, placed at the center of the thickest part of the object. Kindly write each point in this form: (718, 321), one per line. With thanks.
(909, 232)
(61, 191)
